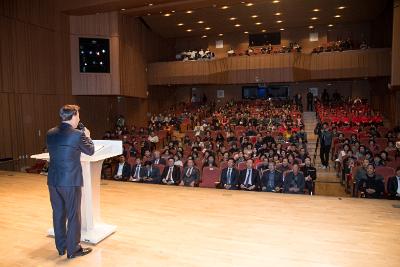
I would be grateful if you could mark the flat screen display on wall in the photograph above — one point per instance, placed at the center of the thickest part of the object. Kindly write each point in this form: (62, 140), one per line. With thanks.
(273, 38)
(94, 55)
(265, 92)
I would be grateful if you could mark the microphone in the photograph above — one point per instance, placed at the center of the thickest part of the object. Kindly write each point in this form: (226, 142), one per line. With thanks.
(81, 127)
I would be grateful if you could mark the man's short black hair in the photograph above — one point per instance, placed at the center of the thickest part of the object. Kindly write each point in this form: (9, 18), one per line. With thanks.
(68, 111)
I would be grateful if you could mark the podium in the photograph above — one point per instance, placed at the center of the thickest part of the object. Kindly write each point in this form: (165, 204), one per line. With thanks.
(93, 230)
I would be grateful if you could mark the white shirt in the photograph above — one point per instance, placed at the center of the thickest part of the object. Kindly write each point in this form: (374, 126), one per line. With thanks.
(248, 174)
(169, 174)
(120, 169)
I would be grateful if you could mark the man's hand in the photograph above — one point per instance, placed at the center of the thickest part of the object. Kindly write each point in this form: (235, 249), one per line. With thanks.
(87, 132)
(370, 190)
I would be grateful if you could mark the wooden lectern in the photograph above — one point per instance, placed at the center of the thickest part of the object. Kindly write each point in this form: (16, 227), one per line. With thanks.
(93, 229)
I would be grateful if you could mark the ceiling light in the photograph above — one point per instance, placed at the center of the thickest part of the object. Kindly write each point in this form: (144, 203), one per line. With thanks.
(278, 13)
(173, 11)
(207, 28)
(189, 12)
(224, 7)
(330, 25)
(279, 21)
(275, 1)
(258, 23)
(246, 32)
(189, 30)
(337, 16)
(315, 9)
(314, 18)
(148, 14)
(281, 29)
(200, 22)
(341, 7)
(180, 24)
(233, 18)
(311, 27)
(167, 14)
(204, 36)
(264, 30)
(254, 16)
(221, 34)
(150, 4)
(249, 4)
(237, 25)
(123, 9)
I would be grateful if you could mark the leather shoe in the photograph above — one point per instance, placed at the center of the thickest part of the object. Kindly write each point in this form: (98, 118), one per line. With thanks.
(80, 252)
(61, 252)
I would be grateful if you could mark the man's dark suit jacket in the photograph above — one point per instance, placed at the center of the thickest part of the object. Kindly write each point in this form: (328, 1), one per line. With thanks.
(154, 173)
(160, 161)
(142, 172)
(392, 186)
(65, 145)
(255, 177)
(300, 182)
(234, 178)
(126, 170)
(176, 174)
(277, 179)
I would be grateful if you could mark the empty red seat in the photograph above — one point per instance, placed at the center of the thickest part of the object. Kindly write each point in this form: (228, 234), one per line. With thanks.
(210, 176)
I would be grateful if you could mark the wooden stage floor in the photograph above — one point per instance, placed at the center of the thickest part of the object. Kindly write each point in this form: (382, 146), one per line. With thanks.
(171, 226)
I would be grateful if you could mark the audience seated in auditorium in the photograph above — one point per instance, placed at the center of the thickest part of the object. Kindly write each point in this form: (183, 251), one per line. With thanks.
(249, 177)
(294, 182)
(271, 180)
(393, 185)
(171, 174)
(122, 170)
(152, 173)
(191, 174)
(195, 55)
(373, 185)
(138, 171)
(230, 176)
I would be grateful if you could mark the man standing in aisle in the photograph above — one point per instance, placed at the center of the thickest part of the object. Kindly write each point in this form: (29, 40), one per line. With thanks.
(65, 144)
(325, 139)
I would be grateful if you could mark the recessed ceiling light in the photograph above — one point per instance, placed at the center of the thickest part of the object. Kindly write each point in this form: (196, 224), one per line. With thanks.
(189, 30)
(200, 22)
(180, 24)
(337, 16)
(173, 11)
(279, 21)
(167, 14)
(246, 32)
(150, 4)
(314, 18)
(189, 12)
(207, 28)
(237, 25)
(278, 14)
(148, 14)
(233, 18)
(264, 30)
(275, 1)
(249, 4)
(330, 25)
(254, 16)
(123, 9)
(341, 7)
(224, 7)
(311, 27)
(315, 9)
(258, 23)
(281, 29)
(221, 34)
(204, 36)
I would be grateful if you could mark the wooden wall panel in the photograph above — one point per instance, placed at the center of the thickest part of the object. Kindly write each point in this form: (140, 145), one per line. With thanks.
(396, 45)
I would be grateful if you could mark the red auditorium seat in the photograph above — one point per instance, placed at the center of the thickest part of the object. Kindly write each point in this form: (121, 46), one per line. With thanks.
(394, 163)
(160, 167)
(223, 165)
(210, 176)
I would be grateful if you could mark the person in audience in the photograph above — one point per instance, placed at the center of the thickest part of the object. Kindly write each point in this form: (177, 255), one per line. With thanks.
(122, 170)
(191, 174)
(249, 178)
(158, 159)
(153, 139)
(178, 162)
(373, 185)
(393, 185)
(137, 172)
(152, 173)
(325, 145)
(294, 182)
(310, 175)
(271, 180)
(210, 162)
(284, 166)
(171, 174)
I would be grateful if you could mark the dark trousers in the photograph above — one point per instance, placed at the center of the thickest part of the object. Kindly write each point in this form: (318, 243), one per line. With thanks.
(310, 185)
(309, 106)
(324, 155)
(66, 205)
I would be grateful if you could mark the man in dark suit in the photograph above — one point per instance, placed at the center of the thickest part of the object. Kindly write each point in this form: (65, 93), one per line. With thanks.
(373, 186)
(191, 174)
(271, 180)
(152, 174)
(249, 177)
(157, 159)
(65, 180)
(122, 170)
(230, 176)
(393, 186)
(310, 175)
(171, 174)
(325, 139)
(294, 181)
(138, 171)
